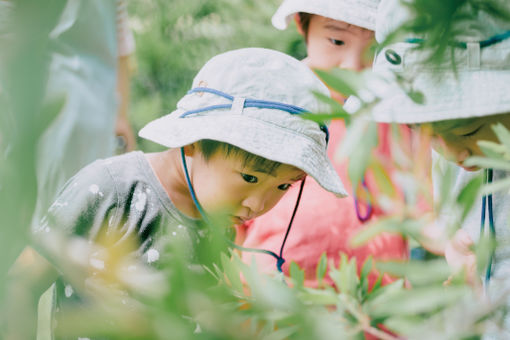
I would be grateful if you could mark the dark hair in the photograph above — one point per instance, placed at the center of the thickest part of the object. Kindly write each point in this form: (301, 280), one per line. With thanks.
(209, 147)
(304, 19)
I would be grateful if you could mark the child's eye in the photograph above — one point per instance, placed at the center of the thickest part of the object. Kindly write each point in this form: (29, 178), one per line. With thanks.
(249, 178)
(336, 42)
(285, 186)
(472, 133)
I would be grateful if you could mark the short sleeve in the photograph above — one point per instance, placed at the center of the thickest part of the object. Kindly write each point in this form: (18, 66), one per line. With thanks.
(86, 206)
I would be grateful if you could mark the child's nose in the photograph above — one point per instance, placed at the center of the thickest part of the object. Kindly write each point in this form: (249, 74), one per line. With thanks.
(352, 61)
(255, 203)
(462, 155)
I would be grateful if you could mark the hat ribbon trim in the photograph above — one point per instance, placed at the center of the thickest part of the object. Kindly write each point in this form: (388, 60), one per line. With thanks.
(262, 104)
(461, 44)
(266, 104)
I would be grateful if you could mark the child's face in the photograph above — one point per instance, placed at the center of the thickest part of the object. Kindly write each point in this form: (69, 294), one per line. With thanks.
(333, 43)
(223, 184)
(457, 139)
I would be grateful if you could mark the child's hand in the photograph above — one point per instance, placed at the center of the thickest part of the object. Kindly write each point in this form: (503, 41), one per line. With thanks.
(459, 255)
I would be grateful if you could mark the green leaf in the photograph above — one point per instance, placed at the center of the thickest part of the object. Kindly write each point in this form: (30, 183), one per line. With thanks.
(367, 268)
(503, 135)
(379, 291)
(231, 272)
(382, 178)
(419, 273)
(415, 301)
(490, 188)
(50, 110)
(346, 82)
(321, 267)
(491, 149)
(282, 333)
(360, 156)
(469, 194)
(483, 251)
(363, 277)
(345, 276)
(377, 285)
(446, 182)
(324, 117)
(297, 274)
(484, 162)
(404, 324)
(318, 296)
(417, 97)
(336, 107)
(391, 224)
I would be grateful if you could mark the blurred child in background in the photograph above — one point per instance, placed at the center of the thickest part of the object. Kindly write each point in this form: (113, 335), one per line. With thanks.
(338, 33)
(466, 98)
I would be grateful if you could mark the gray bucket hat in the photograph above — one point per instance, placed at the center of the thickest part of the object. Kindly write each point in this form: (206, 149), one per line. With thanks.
(479, 86)
(246, 98)
(360, 13)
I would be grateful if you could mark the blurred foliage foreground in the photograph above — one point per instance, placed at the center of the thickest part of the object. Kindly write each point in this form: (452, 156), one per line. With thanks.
(222, 297)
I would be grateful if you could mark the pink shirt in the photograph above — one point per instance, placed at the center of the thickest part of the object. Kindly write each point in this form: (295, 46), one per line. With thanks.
(323, 223)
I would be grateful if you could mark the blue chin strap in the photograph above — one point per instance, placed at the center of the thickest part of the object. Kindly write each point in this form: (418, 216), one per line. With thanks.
(487, 205)
(261, 104)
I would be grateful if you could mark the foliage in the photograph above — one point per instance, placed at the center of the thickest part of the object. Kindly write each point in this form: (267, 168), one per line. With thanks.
(174, 39)
(23, 117)
(222, 297)
(438, 26)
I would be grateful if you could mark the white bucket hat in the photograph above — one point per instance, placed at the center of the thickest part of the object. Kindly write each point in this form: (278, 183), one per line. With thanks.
(246, 98)
(480, 85)
(360, 13)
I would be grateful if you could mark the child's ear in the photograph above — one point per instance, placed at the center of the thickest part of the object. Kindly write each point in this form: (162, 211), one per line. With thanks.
(189, 150)
(299, 26)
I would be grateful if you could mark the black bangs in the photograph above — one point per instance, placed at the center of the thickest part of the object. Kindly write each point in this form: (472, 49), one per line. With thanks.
(255, 162)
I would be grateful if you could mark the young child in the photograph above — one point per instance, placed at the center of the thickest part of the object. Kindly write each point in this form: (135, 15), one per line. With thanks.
(338, 33)
(461, 107)
(237, 144)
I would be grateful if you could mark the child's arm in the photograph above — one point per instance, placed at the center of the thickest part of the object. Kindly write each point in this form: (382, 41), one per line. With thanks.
(125, 48)
(30, 276)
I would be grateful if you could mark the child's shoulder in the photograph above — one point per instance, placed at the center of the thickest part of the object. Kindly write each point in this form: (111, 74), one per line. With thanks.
(112, 176)
(116, 168)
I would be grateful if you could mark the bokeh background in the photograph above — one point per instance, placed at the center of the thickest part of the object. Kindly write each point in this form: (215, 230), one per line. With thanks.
(175, 38)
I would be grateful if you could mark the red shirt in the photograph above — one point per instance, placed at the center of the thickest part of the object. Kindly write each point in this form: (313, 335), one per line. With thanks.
(323, 223)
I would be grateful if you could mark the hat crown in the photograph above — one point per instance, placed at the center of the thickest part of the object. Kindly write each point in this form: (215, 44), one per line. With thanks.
(258, 74)
(472, 81)
(471, 22)
(263, 74)
(360, 13)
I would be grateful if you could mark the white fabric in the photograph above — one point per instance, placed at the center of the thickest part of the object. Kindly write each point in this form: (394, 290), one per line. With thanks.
(500, 279)
(255, 73)
(360, 13)
(479, 85)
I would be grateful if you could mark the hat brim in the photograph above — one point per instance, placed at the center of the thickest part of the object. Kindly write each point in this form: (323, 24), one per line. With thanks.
(464, 92)
(447, 96)
(358, 13)
(277, 144)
